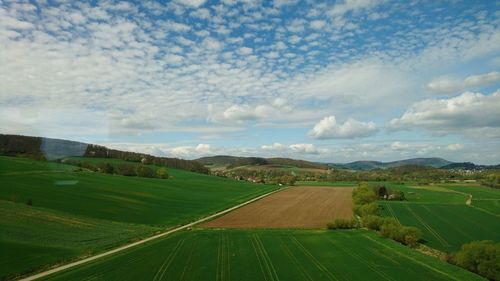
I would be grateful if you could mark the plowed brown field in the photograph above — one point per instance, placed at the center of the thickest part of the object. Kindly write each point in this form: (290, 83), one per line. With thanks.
(297, 207)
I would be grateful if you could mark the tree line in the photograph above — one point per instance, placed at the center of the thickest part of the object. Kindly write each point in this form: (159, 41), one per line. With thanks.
(123, 169)
(52, 149)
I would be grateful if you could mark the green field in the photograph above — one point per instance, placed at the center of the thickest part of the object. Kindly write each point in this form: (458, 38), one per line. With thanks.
(268, 255)
(443, 217)
(75, 213)
(34, 236)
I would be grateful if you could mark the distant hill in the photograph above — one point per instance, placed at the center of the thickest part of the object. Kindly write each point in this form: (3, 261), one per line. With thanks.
(219, 160)
(370, 165)
(468, 166)
(52, 149)
(235, 161)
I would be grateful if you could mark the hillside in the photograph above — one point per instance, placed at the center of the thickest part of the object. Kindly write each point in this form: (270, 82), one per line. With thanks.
(469, 166)
(370, 165)
(53, 212)
(51, 149)
(234, 162)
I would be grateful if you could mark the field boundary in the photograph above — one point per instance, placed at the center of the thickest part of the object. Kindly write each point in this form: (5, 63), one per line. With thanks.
(140, 242)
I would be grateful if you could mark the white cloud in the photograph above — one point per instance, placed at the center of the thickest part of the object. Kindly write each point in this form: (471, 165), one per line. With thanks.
(294, 39)
(328, 128)
(176, 26)
(454, 146)
(240, 113)
(468, 113)
(397, 145)
(451, 85)
(483, 79)
(201, 13)
(317, 24)
(212, 43)
(245, 51)
(274, 147)
(203, 148)
(280, 3)
(306, 148)
(342, 7)
(191, 3)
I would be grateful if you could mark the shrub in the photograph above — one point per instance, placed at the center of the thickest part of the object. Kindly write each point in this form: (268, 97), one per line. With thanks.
(88, 165)
(162, 173)
(390, 228)
(126, 170)
(105, 168)
(373, 222)
(342, 224)
(370, 209)
(145, 171)
(409, 235)
(363, 194)
(482, 257)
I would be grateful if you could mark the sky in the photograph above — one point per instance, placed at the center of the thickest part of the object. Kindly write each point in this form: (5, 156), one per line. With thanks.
(329, 81)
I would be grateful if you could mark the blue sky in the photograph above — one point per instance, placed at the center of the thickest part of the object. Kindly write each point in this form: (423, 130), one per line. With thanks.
(333, 81)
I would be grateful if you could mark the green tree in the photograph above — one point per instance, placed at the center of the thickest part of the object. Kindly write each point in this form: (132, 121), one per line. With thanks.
(366, 209)
(162, 173)
(409, 235)
(482, 257)
(127, 170)
(145, 171)
(363, 194)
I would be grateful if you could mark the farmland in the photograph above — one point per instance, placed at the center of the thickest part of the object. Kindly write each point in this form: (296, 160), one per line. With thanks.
(297, 207)
(75, 213)
(441, 213)
(269, 255)
(54, 213)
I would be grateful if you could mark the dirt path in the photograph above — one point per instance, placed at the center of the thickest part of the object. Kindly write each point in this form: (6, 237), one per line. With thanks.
(297, 207)
(122, 248)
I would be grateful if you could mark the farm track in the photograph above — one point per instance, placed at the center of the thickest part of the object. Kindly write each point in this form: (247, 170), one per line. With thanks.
(223, 272)
(391, 211)
(485, 211)
(444, 221)
(296, 262)
(428, 227)
(411, 258)
(164, 267)
(188, 261)
(140, 242)
(313, 259)
(360, 259)
(266, 265)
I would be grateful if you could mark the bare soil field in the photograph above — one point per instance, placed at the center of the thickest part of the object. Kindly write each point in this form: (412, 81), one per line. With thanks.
(297, 207)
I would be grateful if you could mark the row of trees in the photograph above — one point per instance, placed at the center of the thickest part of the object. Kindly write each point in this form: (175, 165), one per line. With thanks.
(52, 149)
(366, 208)
(175, 163)
(268, 176)
(123, 169)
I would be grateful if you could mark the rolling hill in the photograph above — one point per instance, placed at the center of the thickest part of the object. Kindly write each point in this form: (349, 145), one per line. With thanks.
(41, 148)
(370, 165)
(235, 161)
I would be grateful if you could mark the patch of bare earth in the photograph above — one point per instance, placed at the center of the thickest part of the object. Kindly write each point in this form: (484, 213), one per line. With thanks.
(297, 207)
